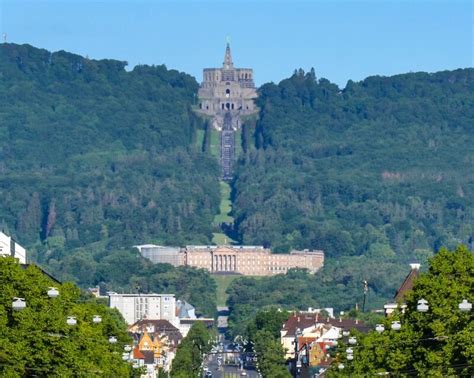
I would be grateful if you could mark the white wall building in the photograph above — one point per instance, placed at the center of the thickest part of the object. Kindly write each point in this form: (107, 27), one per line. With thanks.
(135, 307)
(8, 247)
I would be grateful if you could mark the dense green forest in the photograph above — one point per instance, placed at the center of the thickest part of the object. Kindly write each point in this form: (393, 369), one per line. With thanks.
(95, 159)
(377, 175)
(383, 167)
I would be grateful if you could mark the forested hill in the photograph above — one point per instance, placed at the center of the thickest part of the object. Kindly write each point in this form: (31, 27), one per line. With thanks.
(382, 171)
(384, 166)
(95, 159)
(92, 152)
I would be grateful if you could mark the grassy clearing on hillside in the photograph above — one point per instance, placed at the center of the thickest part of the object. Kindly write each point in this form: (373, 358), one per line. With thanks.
(215, 142)
(223, 282)
(220, 238)
(225, 206)
(200, 138)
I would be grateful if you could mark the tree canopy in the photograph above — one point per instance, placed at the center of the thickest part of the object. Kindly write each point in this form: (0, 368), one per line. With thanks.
(37, 341)
(436, 343)
(191, 352)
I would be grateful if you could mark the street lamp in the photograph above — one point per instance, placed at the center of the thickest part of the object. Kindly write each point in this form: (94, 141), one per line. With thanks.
(350, 357)
(71, 321)
(125, 356)
(465, 306)
(96, 319)
(18, 304)
(127, 348)
(422, 305)
(349, 351)
(379, 328)
(340, 366)
(352, 340)
(112, 339)
(396, 325)
(53, 292)
(345, 333)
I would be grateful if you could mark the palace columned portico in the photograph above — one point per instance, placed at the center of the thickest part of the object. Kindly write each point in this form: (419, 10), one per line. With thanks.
(224, 262)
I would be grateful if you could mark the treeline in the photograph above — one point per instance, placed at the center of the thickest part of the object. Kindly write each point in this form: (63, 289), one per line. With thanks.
(377, 175)
(383, 167)
(95, 159)
(92, 152)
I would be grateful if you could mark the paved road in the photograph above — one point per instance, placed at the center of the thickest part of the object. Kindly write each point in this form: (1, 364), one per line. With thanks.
(226, 371)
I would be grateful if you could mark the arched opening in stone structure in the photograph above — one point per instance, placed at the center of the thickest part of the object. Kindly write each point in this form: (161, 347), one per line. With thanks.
(246, 76)
(227, 93)
(223, 106)
(232, 106)
(227, 106)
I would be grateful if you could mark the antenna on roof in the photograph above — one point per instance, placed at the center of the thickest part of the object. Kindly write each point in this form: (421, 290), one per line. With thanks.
(5, 37)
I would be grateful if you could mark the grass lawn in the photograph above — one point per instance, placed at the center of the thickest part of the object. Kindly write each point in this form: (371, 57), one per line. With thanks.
(219, 238)
(199, 138)
(223, 282)
(215, 142)
(225, 205)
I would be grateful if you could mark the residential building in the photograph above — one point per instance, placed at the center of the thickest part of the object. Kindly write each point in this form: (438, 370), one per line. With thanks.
(156, 342)
(406, 286)
(9, 247)
(304, 327)
(135, 307)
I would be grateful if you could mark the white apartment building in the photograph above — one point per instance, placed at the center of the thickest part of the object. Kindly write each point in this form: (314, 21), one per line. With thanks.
(135, 307)
(8, 247)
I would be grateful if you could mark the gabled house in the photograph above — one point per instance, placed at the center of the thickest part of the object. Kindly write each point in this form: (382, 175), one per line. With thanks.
(159, 337)
(313, 325)
(406, 286)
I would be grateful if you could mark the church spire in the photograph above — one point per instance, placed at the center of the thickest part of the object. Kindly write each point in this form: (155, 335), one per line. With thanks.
(228, 64)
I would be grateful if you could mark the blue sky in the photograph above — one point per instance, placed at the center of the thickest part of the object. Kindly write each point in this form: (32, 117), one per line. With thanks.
(341, 39)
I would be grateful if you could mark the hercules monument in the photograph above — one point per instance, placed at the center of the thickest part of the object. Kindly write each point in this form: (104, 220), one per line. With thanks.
(226, 94)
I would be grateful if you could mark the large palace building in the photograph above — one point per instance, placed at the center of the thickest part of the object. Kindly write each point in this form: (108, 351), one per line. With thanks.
(246, 260)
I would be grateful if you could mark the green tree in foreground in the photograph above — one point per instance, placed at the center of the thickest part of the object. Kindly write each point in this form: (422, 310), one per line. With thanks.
(270, 355)
(434, 343)
(37, 341)
(191, 351)
(264, 331)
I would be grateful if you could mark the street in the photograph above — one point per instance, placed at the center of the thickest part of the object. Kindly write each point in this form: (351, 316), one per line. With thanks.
(226, 371)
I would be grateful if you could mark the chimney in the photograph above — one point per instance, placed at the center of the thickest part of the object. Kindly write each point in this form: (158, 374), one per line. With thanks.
(340, 319)
(298, 319)
(317, 316)
(415, 266)
(357, 321)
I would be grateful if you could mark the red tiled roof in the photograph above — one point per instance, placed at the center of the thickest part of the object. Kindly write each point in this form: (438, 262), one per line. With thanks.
(407, 285)
(303, 320)
(137, 354)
